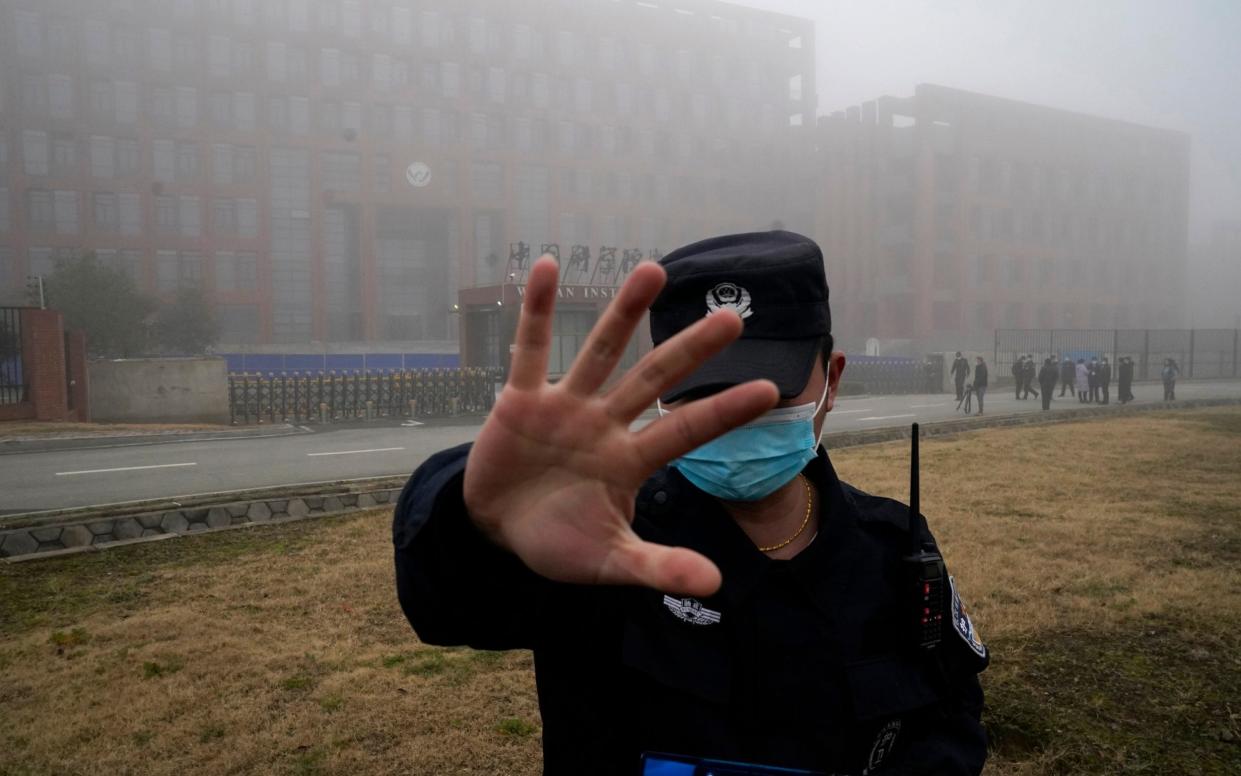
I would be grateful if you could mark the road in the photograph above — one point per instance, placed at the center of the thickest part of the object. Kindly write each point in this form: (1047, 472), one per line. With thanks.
(89, 477)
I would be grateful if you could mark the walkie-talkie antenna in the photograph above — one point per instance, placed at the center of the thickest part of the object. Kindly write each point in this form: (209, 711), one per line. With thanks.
(915, 520)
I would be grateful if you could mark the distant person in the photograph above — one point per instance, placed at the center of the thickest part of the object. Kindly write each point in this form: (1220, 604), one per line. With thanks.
(1047, 377)
(1028, 376)
(1125, 374)
(1092, 379)
(1105, 381)
(1168, 373)
(1019, 373)
(960, 373)
(980, 380)
(1067, 375)
(1082, 380)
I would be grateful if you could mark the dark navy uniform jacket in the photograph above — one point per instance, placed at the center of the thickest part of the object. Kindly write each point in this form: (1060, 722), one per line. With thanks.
(797, 663)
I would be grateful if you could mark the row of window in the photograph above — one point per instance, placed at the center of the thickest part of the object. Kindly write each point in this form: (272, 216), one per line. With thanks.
(182, 107)
(59, 212)
(234, 270)
(162, 49)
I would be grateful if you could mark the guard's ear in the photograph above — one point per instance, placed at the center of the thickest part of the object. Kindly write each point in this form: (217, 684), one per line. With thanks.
(835, 368)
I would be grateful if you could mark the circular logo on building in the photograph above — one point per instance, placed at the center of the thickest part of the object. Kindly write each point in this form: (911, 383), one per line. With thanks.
(418, 175)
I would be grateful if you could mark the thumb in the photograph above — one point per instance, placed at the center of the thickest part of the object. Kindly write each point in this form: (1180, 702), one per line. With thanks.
(664, 568)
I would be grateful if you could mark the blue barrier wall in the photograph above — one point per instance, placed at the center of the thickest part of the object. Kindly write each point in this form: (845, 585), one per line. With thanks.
(313, 363)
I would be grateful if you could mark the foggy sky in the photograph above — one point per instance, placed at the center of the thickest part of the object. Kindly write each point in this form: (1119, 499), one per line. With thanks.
(1174, 64)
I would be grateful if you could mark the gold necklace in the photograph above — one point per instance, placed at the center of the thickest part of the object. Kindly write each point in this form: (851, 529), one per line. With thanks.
(805, 521)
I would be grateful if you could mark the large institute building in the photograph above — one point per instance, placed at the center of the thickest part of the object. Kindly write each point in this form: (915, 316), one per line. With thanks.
(340, 171)
(948, 214)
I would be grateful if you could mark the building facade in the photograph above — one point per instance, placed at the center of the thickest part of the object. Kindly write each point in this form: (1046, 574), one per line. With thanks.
(948, 214)
(336, 171)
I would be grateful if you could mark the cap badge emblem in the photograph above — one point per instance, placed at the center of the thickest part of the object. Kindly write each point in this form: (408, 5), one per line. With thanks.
(729, 296)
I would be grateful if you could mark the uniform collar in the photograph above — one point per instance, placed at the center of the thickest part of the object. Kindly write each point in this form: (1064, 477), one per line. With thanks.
(677, 513)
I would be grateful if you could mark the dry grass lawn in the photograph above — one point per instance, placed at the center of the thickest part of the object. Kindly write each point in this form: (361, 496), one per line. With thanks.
(1101, 561)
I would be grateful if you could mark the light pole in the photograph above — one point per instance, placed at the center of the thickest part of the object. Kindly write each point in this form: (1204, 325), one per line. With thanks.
(35, 284)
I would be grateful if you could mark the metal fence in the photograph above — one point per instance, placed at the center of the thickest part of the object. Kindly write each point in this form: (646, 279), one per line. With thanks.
(1201, 353)
(869, 374)
(12, 379)
(329, 397)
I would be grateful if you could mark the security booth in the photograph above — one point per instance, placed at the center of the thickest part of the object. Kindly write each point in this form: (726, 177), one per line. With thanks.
(489, 313)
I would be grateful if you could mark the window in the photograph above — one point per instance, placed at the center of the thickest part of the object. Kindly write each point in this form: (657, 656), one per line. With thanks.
(187, 107)
(129, 213)
(236, 271)
(187, 162)
(65, 210)
(221, 164)
(34, 94)
(522, 47)
(277, 61)
(166, 214)
(164, 156)
(450, 79)
(497, 87)
(64, 155)
(60, 96)
(403, 122)
(487, 180)
(278, 114)
(299, 115)
(167, 270)
(107, 215)
(4, 214)
(342, 171)
(128, 157)
(126, 98)
(29, 34)
(223, 217)
(163, 107)
(159, 43)
(247, 217)
(329, 67)
(190, 216)
(102, 106)
(102, 156)
(36, 154)
(39, 215)
(243, 111)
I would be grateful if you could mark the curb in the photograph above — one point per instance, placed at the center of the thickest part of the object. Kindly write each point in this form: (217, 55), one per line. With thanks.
(59, 533)
(72, 534)
(15, 447)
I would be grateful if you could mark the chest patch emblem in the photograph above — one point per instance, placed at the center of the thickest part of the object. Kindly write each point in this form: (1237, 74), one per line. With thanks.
(692, 611)
(885, 742)
(962, 624)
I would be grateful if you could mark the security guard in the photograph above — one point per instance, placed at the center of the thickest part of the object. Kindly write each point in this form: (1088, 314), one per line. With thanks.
(741, 604)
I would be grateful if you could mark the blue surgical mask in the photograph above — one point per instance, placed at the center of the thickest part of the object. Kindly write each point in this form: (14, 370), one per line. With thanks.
(755, 460)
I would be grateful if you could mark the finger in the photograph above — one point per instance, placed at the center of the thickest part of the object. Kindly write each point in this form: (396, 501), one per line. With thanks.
(534, 326)
(671, 362)
(668, 569)
(608, 339)
(700, 421)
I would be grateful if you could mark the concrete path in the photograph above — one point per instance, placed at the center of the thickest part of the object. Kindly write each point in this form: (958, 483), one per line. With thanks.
(59, 479)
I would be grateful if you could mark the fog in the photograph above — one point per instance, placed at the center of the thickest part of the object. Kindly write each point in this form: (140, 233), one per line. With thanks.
(374, 176)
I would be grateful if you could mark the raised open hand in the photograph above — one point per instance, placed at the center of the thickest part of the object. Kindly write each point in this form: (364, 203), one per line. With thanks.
(554, 472)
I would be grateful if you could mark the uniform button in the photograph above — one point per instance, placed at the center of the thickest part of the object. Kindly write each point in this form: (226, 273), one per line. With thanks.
(661, 497)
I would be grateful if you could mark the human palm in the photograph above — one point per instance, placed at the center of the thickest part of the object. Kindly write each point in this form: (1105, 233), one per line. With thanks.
(554, 471)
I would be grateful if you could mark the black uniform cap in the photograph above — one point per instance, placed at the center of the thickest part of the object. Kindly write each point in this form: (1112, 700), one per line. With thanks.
(774, 281)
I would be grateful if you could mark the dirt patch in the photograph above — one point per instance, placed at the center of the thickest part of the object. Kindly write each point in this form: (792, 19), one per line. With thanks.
(1099, 559)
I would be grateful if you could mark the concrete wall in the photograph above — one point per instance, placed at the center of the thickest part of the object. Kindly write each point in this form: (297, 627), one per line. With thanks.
(159, 390)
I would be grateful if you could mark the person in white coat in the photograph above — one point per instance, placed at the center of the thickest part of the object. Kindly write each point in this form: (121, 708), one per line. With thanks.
(1082, 383)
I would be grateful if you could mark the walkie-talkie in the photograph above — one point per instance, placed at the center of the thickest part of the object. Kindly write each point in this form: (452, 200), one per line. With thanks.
(925, 575)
